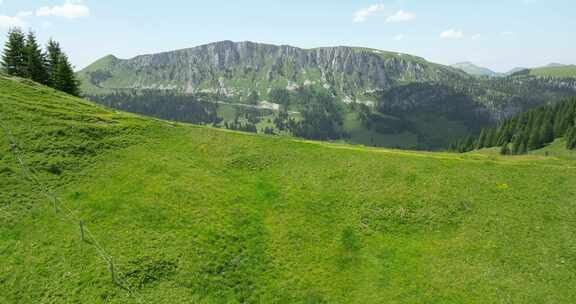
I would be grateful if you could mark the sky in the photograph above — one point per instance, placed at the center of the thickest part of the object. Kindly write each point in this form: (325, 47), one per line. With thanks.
(498, 34)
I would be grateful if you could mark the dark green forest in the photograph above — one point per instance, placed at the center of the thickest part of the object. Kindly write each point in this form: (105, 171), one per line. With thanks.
(530, 130)
(161, 104)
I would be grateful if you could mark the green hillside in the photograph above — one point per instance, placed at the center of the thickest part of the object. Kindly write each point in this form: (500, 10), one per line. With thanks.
(198, 215)
(566, 71)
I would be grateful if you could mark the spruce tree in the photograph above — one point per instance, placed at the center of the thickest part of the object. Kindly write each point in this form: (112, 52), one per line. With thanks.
(54, 52)
(505, 150)
(523, 149)
(35, 60)
(516, 144)
(547, 132)
(64, 78)
(482, 142)
(14, 55)
(253, 98)
(571, 138)
(534, 142)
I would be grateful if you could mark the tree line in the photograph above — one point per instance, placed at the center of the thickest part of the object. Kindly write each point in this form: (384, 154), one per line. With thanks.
(23, 57)
(322, 117)
(527, 131)
(164, 105)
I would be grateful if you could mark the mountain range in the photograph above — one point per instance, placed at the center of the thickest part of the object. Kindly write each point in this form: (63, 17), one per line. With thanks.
(237, 68)
(376, 97)
(475, 70)
(550, 70)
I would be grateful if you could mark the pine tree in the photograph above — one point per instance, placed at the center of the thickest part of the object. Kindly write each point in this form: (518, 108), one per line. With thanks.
(52, 58)
(520, 144)
(523, 148)
(14, 55)
(571, 138)
(482, 140)
(35, 60)
(516, 145)
(467, 145)
(253, 98)
(491, 138)
(547, 132)
(534, 142)
(505, 150)
(64, 78)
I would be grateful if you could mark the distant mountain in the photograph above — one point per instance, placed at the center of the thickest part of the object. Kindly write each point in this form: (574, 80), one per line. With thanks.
(516, 70)
(555, 65)
(236, 69)
(556, 71)
(359, 95)
(475, 70)
(550, 69)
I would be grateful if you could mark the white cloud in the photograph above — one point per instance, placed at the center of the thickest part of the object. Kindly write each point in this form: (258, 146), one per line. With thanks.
(9, 21)
(399, 37)
(72, 9)
(47, 24)
(452, 34)
(1, 1)
(476, 37)
(401, 16)
(507, 34)
(363, 14)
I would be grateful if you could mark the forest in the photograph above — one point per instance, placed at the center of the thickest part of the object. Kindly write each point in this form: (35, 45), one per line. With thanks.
(527, 131)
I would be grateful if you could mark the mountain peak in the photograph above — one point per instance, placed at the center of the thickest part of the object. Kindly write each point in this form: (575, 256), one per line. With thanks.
(474, 70)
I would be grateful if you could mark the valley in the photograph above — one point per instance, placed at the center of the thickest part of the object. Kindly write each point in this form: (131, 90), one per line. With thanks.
(345, 94)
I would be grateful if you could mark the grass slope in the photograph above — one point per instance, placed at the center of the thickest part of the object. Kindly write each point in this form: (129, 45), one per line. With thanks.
(197, 215)
(555, 71)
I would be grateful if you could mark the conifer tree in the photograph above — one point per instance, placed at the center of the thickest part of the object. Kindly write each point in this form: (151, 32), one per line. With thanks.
(14, 55)
(35, 60)
(571, 138)
(482, 139)
(520, 145)
(53, 53)
(534, 141)
(253, 98)
(64, 78)
(547, 132)
(523, 148)
(505, 150)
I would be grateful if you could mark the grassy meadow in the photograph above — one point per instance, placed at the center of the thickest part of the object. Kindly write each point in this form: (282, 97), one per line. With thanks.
(566, 71)
(199, 215)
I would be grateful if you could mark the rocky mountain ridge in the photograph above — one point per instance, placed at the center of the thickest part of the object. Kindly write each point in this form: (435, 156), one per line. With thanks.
(236, 68)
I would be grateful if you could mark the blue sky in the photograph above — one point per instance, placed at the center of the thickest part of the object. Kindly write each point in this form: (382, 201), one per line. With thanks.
(499, 34)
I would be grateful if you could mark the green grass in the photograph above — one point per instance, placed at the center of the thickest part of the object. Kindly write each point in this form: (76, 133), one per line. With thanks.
(556, 149)
(560, 72)
(198, 215)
